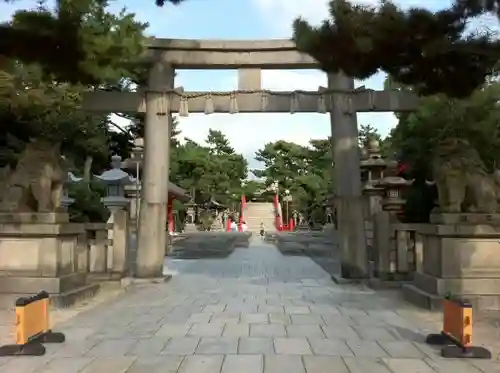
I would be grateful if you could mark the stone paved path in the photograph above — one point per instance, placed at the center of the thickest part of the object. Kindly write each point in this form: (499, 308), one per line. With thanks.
(253, 312)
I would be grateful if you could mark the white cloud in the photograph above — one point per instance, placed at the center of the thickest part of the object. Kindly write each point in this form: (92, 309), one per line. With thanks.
(281, 13)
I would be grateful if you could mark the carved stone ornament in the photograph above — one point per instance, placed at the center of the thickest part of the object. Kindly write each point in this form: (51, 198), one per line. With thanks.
(36, 183)
(462, 181)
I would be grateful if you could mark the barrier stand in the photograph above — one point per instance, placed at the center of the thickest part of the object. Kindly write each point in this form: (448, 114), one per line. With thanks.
(32, 327)
(456, 336)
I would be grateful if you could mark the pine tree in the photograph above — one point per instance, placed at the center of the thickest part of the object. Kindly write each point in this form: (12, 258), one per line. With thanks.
(429, 51)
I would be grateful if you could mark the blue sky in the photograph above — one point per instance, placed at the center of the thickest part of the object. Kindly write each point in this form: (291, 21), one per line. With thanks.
(245, 19)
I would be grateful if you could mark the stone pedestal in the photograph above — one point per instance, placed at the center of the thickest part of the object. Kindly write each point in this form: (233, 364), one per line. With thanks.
(40, 251)
(461, 257)
(119, 259)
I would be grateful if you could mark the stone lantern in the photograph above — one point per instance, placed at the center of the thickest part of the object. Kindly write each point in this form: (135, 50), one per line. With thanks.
(115, 180)
(372, 164)
(66, 201)
(373, 167)
(190, 225)
(393, 187)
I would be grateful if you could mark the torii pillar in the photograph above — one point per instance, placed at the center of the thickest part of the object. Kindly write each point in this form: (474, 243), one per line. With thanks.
(153, 217)
(347, 179)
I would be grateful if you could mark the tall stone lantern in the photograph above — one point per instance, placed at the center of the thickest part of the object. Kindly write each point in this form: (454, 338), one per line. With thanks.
(373, 167)
(372, 164)
(190, 225)
(115, 181)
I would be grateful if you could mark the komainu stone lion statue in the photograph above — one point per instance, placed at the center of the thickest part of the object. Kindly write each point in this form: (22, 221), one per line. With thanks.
(36, 184)
(462, 180)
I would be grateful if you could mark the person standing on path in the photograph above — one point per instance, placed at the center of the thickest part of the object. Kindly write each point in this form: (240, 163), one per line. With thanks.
(234, 226)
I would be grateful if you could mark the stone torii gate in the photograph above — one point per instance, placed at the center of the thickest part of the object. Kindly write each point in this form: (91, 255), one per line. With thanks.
(159, 99)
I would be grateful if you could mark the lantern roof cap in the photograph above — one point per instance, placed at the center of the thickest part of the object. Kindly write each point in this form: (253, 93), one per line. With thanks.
(115, 175)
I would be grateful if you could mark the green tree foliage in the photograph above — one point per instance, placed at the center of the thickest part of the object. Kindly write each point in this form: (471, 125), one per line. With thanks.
(429, 51)
(476, 119)
(305, 171)
(34, 103)
(72, 46)
(87, 206)
(414, 139)
(211, 171)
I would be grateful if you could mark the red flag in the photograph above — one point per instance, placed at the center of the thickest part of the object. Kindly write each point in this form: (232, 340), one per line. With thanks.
(277, 211)
(243, 206)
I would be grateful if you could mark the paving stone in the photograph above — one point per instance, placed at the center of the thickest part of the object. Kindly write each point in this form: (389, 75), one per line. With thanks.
(70, 348)
(370, 349)
(401, 349)
(374, 333)
(337, 320)
(340, 332)
(243, 364)
(486, 366)
(64, 365)
(330, 347)
(455, 366)
(279, 318)
(214, 308)
(297, 310)
(345, 311)
(225, 317)
(236, 330)
(365, 365)
(201, 364)
(311, 319)
(206, 330)
(173, 330)
(324, 310)
(113, 347)
(242, 307)
(267, 330)
(148, 347)
(254, 318)
(312, 331)
(196, 318)
(283, 364)
(323, 364)
(217, 345)
(279, 302)
(408, 365)
(292, 346)
(181, 346)
(368, 321)
(256, 345)
(24, 364)
(156, 364)
(109, 365)
(265, 308)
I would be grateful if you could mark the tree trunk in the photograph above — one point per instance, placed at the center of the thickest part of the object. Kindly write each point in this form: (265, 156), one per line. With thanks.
(87, 168)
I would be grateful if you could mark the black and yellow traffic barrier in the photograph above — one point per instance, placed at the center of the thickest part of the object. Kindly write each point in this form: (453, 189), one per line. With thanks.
(456, 335)
(32, 327)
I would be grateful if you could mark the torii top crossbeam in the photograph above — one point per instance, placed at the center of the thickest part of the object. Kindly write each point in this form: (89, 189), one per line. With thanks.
(249, 57)
(228, 54)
